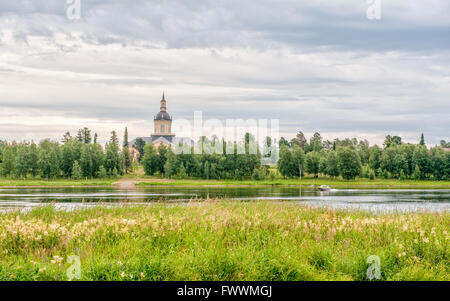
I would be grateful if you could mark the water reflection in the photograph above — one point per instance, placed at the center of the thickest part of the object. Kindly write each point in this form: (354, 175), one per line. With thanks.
(380, 200)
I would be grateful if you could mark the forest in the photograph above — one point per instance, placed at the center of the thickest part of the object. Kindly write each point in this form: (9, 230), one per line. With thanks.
(83, 157)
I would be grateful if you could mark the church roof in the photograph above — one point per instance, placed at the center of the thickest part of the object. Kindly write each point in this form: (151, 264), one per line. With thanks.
(163, 115)
(170, 140)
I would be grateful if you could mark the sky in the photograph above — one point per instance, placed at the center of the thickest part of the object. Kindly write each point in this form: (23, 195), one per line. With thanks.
(317, 66)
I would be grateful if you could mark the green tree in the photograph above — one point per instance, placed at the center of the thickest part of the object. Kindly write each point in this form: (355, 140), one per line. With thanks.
(438, 163)
(394, 161)
(84, 135)
(26, 161)
(48, 159)
(8, 160)
(115, 172)
(417, 174)
(392, 141)
(422, 140)
(85, 162)
(313, 163)
(447, 165)
(422, 159)
(151, 160)
(67, 137)
(162, 151)
(375, 154)
(128, 161)
(332, 164)
(125, 138)
(349, 163)
(114, 139)
(102, 173)
(71, 152)
(285, 161)
(139, 145)
(181, 174)
(112, 156)
(171, 166)
(283, 142)
(298, 162)
(316, 142)
(300, 141)
(77, 173)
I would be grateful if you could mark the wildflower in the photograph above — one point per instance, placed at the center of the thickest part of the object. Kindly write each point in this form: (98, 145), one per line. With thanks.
(425, 240)
(122, 274)
(42, 269)
(142, 275)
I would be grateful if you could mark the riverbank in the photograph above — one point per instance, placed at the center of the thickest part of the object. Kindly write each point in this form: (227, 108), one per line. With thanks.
(335, 183)
(132, 181)
(55, 183)
(223, 241)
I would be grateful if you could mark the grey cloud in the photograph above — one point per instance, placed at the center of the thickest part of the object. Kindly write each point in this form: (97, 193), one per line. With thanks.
(264, 23)
(242, 59)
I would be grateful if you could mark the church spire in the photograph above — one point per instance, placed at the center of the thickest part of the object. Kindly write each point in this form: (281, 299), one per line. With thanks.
(163, 103)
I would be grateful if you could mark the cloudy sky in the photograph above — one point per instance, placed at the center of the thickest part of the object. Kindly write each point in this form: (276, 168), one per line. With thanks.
(314, 65)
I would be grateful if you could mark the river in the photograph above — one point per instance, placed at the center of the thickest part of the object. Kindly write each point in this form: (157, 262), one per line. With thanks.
(375, 200)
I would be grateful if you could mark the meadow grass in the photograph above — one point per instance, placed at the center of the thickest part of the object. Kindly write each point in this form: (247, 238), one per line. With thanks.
(5, 182)
(223, 240)
(139, 179)
(306, 181)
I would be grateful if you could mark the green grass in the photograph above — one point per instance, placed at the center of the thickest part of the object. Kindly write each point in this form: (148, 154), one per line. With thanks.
(57, 182)
(307, 181)
(223, 240)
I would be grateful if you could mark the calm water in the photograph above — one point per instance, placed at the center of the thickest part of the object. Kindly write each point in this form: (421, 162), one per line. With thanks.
(380, 200)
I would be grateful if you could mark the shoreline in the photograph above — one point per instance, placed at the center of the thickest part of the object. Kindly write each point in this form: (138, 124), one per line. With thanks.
(142, 183)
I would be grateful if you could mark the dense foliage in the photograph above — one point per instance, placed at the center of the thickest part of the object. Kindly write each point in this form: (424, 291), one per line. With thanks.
(74, 158)
(351, 158)
(81, 157)
(205, 164)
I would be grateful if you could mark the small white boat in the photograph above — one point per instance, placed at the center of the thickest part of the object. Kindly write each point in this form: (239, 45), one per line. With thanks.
(324, 188)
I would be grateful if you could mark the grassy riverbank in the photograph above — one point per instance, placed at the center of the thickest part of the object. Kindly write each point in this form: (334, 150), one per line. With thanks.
(143, 181)
(308, 181)
(223, 241)
(55, 183)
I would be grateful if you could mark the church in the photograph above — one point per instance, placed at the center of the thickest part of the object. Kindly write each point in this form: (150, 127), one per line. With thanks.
(162, 132)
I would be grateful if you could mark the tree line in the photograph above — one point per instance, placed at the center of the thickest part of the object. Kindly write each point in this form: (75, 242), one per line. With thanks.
(83, 157)
(75, 157)
(350, 158)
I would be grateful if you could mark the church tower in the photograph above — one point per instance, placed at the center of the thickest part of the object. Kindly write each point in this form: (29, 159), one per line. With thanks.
(163, 121)
(162, 134)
